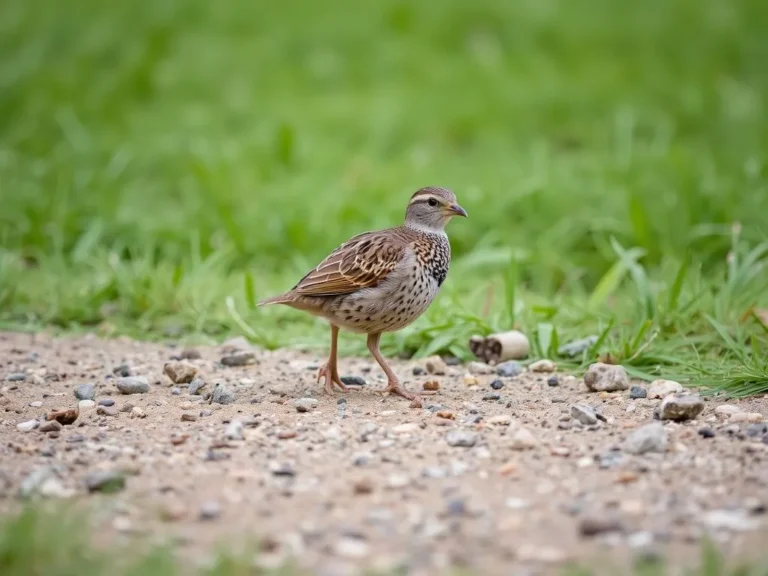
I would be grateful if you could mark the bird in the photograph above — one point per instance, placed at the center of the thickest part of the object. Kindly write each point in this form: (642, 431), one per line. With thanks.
(380, 281)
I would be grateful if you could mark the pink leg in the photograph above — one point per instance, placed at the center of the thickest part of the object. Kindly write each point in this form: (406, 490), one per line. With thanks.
(393, 385)
(329, 371)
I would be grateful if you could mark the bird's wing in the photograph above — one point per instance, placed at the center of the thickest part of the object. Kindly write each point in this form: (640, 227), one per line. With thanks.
(361, 262)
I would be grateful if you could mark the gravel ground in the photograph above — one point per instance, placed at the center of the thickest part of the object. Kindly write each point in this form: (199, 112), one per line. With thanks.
(493, 473)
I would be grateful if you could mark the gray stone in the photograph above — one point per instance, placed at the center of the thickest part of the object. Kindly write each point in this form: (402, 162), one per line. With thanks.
(509, 369)
(50, 426)
(353, 381)
(238, 359)
(85, 392)
(756, 430)
(195, 386)
(584, 414)
(107, 481)
(576, 347)
(461, 438)
(606, 378)
(106, 402)
(305, 404)
(133, 385)
(637, 392)
(676, 407)
(222, 395)
(16, 377)
(648, 438)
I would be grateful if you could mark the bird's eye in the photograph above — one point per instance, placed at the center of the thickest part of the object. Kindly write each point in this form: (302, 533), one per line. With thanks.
(432, 202)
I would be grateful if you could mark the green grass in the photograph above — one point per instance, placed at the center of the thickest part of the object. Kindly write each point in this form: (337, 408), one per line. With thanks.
(160, 157)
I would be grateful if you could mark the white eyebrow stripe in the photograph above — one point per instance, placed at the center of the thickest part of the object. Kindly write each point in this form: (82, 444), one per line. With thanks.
(423, 197)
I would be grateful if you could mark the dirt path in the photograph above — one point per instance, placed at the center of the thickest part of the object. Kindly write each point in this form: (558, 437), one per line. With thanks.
(483, 477)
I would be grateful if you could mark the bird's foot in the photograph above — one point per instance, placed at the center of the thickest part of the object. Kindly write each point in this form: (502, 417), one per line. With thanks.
(331, 377)
(393, 387)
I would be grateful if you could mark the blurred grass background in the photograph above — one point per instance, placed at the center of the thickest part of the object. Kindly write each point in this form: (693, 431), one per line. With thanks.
(158, 157)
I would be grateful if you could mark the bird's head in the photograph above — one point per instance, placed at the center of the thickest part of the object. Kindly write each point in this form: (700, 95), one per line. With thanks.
(431, 208)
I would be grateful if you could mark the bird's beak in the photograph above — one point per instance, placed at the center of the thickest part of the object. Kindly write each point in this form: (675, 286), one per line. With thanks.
(456, 210)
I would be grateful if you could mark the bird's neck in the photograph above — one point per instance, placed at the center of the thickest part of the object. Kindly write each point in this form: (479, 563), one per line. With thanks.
(425, 228)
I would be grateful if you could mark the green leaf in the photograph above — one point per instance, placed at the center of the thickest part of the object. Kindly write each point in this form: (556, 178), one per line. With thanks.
(250, 292)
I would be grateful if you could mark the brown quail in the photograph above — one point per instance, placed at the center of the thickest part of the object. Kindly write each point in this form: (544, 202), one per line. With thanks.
(380, 281)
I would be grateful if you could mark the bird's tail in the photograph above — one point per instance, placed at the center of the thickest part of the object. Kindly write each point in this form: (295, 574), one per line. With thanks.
(280, 299)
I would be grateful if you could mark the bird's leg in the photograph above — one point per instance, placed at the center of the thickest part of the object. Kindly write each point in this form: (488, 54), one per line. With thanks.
(393, 385)
(329, 370)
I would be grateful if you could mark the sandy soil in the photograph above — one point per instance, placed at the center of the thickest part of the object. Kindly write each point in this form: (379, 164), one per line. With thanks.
(367, 481)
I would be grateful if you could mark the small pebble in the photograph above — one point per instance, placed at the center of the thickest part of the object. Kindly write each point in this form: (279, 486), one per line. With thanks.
(238, 359)
(435, 365)
(523, 439)
(305, 404)
(210, 510)
(491, 397)
(222, 395)
(123, 371)
(175, 391)
(543, 366)
(234, 430)
(606, 378)
(189, 417)
(663, 388)
(353, 380)
(497, 384)
(36, 404)
(509, 369)
(86, 404)
(637, 392)
(106, 411)
(552, 381)
(133, 385)
(50, 426)
(418, 371)
(16, 377)
(180, 372)
(584, 414)
(461, 438)
(85, 392)
(594, 525)
(756, 430)
(431, 385)
(27, 426)
(677, 407)
(706, 432)
(106, 402)
(648, 438)
(195, 386)
(282, 469)
(479, 368)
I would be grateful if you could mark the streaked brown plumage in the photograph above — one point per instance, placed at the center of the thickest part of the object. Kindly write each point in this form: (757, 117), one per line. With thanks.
(380, 281)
